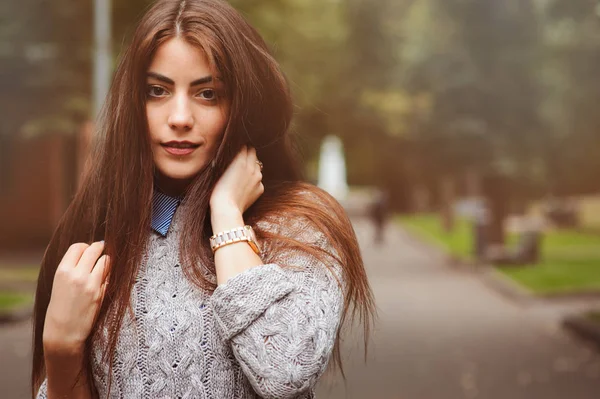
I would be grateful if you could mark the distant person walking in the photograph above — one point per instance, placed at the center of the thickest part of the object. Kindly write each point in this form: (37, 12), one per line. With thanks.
(379, 214)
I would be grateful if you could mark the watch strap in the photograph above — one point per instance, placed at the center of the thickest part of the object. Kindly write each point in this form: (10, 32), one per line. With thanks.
(234, 235)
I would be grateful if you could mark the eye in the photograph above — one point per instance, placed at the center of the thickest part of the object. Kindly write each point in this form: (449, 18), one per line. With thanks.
(156, 91)
(208, 94)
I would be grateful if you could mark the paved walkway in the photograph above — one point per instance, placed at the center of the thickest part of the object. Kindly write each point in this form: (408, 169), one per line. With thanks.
(441, 334)
(15, 360)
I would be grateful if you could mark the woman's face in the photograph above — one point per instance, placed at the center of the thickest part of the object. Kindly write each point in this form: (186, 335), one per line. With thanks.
(187, 112)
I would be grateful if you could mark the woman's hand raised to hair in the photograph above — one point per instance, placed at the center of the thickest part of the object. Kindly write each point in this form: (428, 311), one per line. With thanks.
(77, 293)
(237, 189)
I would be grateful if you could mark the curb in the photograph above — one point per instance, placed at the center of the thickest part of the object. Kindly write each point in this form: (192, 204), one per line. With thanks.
(561, 296)
(16, 314)
(577, 324)
(506, 286)
(495, 279)
(583, 327)
(514, 290)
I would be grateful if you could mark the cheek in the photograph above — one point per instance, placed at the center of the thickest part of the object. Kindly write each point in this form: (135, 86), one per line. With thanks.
(153, 121)
(215, 131)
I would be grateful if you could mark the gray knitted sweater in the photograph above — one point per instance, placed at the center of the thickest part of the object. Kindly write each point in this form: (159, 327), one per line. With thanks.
(268, 332)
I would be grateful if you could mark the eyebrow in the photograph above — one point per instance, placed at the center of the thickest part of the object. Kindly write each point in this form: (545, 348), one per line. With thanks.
(164, 79)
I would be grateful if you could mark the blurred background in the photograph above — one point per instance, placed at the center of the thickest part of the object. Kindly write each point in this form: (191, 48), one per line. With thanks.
(462, 136)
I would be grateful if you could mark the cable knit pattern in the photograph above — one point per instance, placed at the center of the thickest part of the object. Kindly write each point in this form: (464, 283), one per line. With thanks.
(268, 332)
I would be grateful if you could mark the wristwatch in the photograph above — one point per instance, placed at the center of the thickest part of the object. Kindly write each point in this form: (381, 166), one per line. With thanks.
(238, 234)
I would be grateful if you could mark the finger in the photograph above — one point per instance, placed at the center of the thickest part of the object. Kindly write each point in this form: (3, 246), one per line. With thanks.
(252, 158)
(90, 257)
(73, 255)
(103, 294)
(257, 193)
(100, 272)
(253, 163)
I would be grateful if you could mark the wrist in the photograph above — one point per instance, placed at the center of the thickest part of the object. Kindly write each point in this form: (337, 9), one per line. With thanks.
(225, 217)
(64, 371)
(54, 348)
(224, 207)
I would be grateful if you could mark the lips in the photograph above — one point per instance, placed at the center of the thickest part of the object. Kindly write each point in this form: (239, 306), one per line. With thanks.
(180, 148)
(180, 144)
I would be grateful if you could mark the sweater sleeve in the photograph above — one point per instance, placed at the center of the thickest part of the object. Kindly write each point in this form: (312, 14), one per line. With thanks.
(282, 322)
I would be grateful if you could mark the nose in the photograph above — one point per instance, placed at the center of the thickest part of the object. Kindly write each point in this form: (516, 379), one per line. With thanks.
(181, 117)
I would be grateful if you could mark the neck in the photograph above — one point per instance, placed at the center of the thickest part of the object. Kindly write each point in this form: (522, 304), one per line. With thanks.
(172, 187)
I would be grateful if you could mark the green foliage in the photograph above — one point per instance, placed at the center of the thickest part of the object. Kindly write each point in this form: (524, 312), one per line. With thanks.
(572, 89)
(510, 88)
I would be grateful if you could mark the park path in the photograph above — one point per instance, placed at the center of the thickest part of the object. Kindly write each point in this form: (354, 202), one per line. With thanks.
(441, 334)
(15, 360)
(444, 334)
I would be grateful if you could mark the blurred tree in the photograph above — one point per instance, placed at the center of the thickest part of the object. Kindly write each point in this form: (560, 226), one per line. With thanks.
(491, 116)
(46, 62)
(417, 89)
(571, 86)
(43, 72)
(468, 69)
(309, 39)
(44, 54)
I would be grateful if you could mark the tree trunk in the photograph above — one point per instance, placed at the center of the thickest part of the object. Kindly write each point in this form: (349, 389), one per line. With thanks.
(447, 208)
(497, 197)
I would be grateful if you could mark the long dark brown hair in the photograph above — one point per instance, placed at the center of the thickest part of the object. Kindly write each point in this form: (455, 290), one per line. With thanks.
(113, 202)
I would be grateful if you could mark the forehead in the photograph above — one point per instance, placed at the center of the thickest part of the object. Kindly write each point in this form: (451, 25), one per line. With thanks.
(180, 60)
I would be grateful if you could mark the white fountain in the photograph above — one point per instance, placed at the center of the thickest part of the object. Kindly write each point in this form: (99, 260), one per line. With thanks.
(332, 168)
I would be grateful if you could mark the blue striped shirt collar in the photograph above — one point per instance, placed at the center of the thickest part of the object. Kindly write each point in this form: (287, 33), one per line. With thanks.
(163, 209)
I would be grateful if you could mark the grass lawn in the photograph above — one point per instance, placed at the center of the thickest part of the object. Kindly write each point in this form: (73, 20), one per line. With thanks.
(19, 275)
(458, 243)
(10, 300)
(570, 260)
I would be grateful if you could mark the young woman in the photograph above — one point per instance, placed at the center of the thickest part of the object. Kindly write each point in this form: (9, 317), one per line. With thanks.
(182, 268)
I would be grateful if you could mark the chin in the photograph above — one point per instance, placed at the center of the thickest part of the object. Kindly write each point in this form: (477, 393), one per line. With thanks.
(181, 173)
